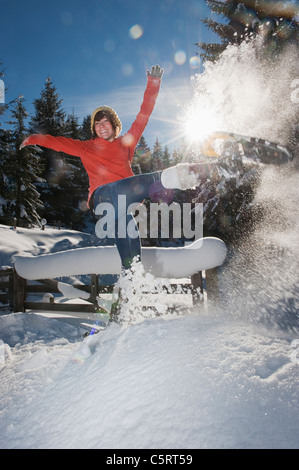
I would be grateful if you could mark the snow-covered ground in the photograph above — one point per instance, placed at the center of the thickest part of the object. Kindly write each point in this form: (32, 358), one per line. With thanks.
(226, 377)
(194, 382)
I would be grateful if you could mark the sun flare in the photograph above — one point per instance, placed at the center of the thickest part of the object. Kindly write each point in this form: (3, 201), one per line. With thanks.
(199, 122)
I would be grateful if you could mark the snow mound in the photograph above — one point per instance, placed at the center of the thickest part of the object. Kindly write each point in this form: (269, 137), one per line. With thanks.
(192, 382)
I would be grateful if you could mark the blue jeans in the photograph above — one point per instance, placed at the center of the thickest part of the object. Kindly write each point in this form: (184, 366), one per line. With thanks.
(135, 189)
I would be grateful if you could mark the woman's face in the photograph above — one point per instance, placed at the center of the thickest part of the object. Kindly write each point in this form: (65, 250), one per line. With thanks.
(104, 129)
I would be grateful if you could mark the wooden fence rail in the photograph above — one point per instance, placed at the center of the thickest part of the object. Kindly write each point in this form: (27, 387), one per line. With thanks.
(6, 288)
(14, 292)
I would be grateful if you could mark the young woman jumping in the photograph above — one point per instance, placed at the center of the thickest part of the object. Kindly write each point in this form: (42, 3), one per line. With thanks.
(107, 159)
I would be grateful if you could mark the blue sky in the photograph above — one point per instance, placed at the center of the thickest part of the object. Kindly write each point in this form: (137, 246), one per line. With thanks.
(97, 52)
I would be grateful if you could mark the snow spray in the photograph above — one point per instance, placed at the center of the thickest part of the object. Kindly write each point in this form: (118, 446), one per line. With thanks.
(144, 296)
(243, 93)
(247, 95)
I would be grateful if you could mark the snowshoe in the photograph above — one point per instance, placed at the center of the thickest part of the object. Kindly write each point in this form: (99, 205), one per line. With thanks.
(220, 143)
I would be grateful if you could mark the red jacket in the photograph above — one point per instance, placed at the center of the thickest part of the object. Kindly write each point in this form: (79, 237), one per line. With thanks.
(105, 161)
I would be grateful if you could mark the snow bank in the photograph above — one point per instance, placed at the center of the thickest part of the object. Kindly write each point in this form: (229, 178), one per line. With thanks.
(34, 242)
(193, 382)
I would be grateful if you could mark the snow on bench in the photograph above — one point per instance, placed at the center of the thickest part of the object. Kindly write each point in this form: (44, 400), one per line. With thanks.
(203, 254)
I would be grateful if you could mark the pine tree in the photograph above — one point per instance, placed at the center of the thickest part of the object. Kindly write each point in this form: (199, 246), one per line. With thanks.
(75, 182)
(85, 128)
(23, 172)
(180, 153)
(166, 158)
(275, 21)
(5, 181)
(72, 128)
(157, 160)
(49, 118)
(142, 157)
